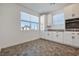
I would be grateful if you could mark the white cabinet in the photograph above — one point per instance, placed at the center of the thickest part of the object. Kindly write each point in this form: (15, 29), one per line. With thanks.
(46, 35)
(60, 37)
(55, 36)
(68, 12)
(75, 11)
(71, 11)
(75, 41)
(68, 38)
(71, 38)
(42, 34)
(49, 35)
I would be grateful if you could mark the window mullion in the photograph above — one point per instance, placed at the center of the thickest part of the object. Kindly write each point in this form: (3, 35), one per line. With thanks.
(30, 22)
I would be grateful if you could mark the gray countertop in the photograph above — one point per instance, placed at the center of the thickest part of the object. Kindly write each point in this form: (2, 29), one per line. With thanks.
(56, 30)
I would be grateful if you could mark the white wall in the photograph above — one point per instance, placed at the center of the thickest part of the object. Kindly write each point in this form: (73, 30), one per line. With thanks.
(10, 33)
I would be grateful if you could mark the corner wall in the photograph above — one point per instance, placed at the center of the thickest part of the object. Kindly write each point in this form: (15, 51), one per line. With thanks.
(10, 33)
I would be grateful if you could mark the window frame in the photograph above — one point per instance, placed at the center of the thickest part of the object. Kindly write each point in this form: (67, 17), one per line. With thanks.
(30, 21)
(57, 21)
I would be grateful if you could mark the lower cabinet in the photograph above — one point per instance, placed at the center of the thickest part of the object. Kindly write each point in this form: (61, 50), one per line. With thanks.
(75, 41)
(42, 34)
(55, 36)
(71, 38)
(49, 36)
(60, 37)
(68, 38)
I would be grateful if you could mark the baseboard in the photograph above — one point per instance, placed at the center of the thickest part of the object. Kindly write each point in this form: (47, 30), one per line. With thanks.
(19, 43)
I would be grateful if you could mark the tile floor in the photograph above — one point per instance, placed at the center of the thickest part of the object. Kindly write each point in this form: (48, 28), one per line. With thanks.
(40, 47)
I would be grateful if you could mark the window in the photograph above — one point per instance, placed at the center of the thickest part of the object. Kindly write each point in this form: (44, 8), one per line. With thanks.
(29, 22)
(25, 25)
(34, 22)
(58, 19)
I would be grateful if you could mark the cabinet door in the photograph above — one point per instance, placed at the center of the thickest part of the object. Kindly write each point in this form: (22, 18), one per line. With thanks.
(54, 36)
(68, 12)
(49, 36)
(76, 40)
(45, 35)
(71, 11)
(68, 38)
(75, 11)
(60, 37)
(42, 34)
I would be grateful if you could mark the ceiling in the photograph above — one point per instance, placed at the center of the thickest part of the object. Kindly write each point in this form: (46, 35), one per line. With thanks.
(45, 7)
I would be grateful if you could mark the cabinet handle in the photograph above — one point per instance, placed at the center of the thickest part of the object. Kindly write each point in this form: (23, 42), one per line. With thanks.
(48, 33)
(73, 33)
(56, 35)
(77, 33)
(73, 37)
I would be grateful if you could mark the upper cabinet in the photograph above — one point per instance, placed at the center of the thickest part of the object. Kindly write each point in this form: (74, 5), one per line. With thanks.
(68, 12)
(71, 11)
(49, 22)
